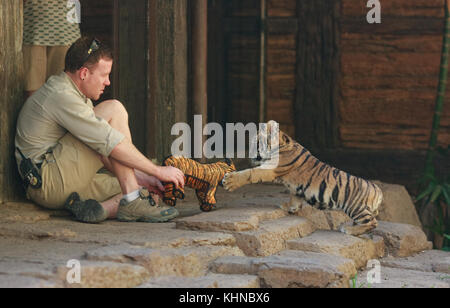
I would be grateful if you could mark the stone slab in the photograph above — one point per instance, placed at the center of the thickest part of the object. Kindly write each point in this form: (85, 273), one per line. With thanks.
(208, 281)
(113, 232)
(16, 281)
(401, 278)
(427, 261)
(340, 244)
(397, 205)
(402, 240)
(185, 261)
(236, 219)
(291, 268)
(104, 275)
(271, 236)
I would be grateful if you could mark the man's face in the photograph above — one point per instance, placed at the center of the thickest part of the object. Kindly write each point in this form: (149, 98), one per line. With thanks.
(97, 78)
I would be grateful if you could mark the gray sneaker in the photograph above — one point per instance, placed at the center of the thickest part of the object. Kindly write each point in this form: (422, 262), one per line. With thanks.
(88, 211)
(144, 209)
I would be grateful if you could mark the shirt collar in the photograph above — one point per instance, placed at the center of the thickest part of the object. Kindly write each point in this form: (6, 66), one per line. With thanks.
(74, 86)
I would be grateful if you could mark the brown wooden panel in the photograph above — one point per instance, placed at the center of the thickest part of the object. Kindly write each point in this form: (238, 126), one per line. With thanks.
(397, 25)
(281, 8)
(11, 98)
(426, 83)
(243, 8)
(414, 8)
(392, 64)
(282, 41)
(318, 72)
(281, 86)
(388, 137)
(168, 73)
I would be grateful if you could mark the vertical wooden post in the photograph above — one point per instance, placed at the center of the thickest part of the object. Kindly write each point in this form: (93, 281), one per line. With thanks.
(167, 73)
(200, 60)
(131, 51)
(11, 98)
(317, 73)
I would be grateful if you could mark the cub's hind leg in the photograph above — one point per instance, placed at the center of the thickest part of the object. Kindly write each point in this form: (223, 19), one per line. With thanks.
(364, 222)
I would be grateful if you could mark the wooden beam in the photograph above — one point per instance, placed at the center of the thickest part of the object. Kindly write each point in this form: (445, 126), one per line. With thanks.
(11, 98)
(317, 73)
(200, 62)
(131, 47)
(167, 72)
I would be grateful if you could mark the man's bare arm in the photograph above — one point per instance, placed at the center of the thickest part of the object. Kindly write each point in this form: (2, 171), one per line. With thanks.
(127, 154)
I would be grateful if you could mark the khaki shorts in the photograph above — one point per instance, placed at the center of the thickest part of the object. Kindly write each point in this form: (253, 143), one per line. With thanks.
(73, 167)
(41, 62)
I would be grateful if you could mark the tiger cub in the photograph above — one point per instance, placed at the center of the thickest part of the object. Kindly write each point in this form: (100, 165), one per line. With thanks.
(313, 182)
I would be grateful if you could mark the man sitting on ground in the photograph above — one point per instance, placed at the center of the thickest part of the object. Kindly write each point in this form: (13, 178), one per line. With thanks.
(70, 140)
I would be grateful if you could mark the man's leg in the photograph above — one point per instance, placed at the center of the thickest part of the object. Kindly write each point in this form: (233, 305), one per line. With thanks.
(136, 205)
(116, 115)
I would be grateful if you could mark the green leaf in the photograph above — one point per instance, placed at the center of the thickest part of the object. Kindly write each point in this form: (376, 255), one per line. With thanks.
(447, 236)
(426, 192)
(446, 193)
(436, 192)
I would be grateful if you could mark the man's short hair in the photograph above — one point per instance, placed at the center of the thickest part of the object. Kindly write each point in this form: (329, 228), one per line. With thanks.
(86, 51)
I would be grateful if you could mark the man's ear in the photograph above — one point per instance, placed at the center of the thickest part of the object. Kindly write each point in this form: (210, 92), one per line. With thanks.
(82, 72)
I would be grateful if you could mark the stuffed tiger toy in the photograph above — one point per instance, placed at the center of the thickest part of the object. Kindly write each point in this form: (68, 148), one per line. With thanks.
(204, 178)
(312, 182)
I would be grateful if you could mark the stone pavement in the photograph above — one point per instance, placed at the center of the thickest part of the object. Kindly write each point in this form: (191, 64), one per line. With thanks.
(249, 242)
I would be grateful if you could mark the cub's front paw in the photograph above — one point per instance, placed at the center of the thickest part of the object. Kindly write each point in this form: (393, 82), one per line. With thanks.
(231, 181)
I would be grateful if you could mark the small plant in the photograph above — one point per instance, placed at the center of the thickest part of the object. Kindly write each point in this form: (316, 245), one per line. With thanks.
(437, 192)
(361, 285)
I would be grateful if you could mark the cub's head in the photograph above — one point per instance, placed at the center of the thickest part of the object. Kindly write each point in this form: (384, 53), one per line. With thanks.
(272, 144)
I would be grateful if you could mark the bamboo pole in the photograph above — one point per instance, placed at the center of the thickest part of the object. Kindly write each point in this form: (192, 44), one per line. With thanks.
(429, 168)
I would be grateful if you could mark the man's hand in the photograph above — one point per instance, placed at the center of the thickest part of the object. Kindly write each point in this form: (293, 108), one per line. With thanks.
(171, 174)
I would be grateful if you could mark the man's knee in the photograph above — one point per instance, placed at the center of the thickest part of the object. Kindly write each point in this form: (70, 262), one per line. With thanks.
(110, 109)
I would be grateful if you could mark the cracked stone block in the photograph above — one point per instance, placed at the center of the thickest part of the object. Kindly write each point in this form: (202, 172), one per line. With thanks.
(397, 205)
(401, 278)
(103, 275)
(402, 240)
(340, 244)
(427, 261)
(185, 261)
(208, 281)
(272, 235)
(234, 265)
(291, 268)
(231, 219)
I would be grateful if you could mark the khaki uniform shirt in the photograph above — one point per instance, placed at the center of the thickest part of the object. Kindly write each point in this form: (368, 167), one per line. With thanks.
(50, 22)
(56, 108)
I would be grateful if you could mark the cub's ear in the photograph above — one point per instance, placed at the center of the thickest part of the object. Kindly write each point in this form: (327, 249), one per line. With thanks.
(286, 138)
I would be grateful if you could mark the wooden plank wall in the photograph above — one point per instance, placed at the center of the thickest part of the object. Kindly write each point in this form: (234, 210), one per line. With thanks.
(389, 75)
(281, 50)
(11, 98)
(242, 57)
(97, 20)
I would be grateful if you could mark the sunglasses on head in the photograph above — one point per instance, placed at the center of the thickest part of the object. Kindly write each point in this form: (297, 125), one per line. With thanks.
(95, 45)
